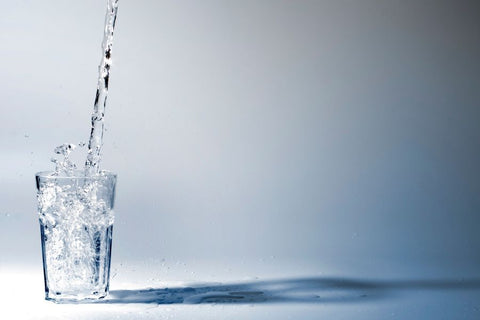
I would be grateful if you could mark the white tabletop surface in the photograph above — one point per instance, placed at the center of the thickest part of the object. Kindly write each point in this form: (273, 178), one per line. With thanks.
(262, 290)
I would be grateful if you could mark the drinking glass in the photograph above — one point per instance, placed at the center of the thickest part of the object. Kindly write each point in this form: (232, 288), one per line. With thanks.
(76, 223)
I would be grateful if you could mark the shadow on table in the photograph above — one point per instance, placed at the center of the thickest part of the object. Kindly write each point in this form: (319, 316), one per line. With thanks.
(290, 290)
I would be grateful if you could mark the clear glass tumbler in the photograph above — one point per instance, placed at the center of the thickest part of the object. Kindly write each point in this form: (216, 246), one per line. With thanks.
(76, 223)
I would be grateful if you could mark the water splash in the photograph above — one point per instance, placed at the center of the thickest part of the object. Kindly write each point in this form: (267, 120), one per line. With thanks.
(64, 166)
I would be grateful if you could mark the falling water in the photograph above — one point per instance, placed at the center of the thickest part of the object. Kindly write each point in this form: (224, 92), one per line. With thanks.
(96, 135)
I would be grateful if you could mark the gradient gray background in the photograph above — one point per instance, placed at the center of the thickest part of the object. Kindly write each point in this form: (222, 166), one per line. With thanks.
(266, 133)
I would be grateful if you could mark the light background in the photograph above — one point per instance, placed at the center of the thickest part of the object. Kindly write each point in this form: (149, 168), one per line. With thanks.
(263, 137)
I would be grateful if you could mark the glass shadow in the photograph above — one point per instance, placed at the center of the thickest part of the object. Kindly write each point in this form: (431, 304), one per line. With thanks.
(289, 290)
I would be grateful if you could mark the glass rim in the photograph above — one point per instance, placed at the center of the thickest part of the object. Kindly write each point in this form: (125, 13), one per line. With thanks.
(78, 174)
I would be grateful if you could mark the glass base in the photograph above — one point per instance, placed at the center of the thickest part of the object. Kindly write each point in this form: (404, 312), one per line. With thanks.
(75, 297)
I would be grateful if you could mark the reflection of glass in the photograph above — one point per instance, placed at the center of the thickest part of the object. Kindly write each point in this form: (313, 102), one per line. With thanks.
(76, 222)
